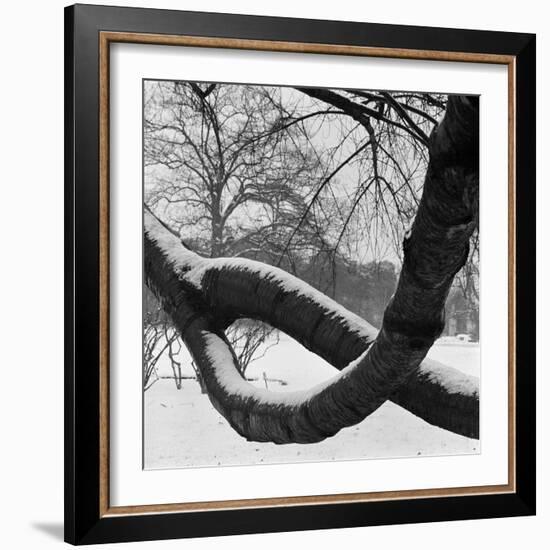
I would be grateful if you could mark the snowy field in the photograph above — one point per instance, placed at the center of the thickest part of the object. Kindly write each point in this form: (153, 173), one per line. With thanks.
(182, 429)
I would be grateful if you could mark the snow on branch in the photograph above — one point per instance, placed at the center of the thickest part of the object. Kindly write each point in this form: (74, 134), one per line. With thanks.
(199, 293)
(203, 296)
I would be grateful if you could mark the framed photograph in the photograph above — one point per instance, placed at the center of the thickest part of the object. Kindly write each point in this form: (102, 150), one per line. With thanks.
(300, 274)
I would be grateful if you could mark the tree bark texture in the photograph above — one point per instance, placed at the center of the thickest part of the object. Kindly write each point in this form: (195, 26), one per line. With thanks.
(204, 296)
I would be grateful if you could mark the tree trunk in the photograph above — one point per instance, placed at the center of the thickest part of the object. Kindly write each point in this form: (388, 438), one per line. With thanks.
(203, 296)
(216, 247)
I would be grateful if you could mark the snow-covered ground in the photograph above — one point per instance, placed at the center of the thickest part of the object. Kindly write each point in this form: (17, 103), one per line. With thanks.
(182, 429)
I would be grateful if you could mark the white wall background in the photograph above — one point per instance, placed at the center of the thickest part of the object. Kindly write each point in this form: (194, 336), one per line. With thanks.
(31, 396)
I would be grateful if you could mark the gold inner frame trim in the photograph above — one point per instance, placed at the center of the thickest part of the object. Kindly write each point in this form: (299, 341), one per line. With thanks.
(105, 39)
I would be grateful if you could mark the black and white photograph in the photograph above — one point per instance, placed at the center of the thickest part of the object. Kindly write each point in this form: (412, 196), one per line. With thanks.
(275, 275)
(311, 274)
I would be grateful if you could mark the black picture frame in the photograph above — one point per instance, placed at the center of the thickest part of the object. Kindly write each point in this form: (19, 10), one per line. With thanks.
(84, 521)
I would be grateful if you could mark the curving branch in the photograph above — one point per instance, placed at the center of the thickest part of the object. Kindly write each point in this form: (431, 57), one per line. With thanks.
(203, 296)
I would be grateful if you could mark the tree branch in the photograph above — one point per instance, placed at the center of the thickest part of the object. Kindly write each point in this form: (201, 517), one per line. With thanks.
(204, 296)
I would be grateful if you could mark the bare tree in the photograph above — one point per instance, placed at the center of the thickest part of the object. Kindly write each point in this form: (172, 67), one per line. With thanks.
(212, 151)
(393, 130)
(205, 295)
(159, 338)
